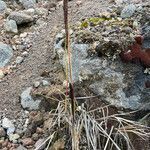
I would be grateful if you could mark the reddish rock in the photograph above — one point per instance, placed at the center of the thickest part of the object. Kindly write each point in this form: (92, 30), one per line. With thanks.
(9, 145)
(139, 39)
(38, 119)
(147, 84)
(1, 142)
(15, 145)
(136, 52)
(39, 130)
(27, 142)
(33, 113)
(5, 143)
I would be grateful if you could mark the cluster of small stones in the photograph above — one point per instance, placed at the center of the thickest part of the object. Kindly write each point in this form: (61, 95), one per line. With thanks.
(30, 127)
(29, 133)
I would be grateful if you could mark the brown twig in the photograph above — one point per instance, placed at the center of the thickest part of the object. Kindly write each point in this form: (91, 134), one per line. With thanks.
(69, 65)
(71, 93)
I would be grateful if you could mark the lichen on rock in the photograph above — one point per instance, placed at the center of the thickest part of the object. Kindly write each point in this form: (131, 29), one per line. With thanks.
(111, 34)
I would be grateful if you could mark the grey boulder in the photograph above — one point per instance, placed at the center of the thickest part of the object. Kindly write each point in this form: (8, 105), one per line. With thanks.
(121, 85)
(20, 17)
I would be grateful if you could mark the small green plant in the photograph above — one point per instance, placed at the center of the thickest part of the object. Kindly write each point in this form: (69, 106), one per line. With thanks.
(93, 21)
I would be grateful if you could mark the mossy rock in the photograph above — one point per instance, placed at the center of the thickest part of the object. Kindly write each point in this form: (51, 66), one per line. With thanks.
(93, 21)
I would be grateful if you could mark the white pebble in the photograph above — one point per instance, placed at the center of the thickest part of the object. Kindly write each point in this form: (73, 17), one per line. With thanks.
(45, 83)
(1, 74)
(23, 35)
(25, 54)
(36, 84)
(19, 60)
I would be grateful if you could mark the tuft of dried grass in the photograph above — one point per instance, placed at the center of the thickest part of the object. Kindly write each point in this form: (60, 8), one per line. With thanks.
(95, 129)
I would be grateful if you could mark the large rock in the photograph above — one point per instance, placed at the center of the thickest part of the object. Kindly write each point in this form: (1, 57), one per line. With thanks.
(28, 3)
(6, 53)
(128, 11)
(20, 17)
(28, 102)
(111, 88)
(3, 7)
(122, 85)
(11, 26)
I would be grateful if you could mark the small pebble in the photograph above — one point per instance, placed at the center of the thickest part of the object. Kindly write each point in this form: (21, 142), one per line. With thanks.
(65, 84)
(5, 143)
(36, 84)
(27, 141)
(45, 83)
(1, 74)
(14, 47)
(23, 35)
(35, 136)
(25, 54)
(39, 130)
(19, 60)
(79, 2)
